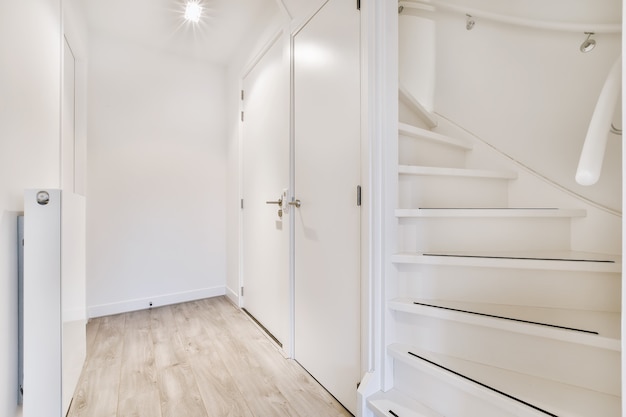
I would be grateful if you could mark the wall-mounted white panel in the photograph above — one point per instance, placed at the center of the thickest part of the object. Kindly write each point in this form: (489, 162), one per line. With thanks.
(42, 303)
(73, 282)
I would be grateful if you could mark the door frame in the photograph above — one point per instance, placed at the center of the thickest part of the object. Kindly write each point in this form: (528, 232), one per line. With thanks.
(379, 45)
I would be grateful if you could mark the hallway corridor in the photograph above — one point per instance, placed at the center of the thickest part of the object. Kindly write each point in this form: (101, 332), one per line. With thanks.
(197, 359)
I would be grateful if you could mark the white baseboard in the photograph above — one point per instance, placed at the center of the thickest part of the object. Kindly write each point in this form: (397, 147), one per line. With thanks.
(157, 300)
(233, 296)
(369, 386)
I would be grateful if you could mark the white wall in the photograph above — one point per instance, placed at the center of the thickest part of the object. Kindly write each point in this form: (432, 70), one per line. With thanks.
(529, 92)
(29, 148)
(156, 178)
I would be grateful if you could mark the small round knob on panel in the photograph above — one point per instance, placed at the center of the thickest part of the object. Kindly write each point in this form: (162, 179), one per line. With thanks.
(43, 198)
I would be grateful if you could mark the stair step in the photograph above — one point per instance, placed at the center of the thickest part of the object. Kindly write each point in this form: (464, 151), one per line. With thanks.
(552, 260)
(422, 147)
(514, 392)
(407, 98)
(434, 230)
(503, 344)
(582, 284)
(490, 212)
(590, 328)
(485, 234)
(427, 188)
(395, 404)
(455, 172)
(419, 133)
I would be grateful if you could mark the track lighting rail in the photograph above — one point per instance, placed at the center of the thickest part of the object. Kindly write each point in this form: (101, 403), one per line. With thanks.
(478, 14)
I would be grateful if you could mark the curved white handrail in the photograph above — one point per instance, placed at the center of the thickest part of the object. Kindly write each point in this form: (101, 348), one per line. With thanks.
(592, 155)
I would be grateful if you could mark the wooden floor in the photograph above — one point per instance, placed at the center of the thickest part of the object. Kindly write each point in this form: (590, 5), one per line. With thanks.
(202, 358)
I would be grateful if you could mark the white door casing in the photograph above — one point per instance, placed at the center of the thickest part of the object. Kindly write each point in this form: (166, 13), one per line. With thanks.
(327, 172)
(73, 229)
(265, 161)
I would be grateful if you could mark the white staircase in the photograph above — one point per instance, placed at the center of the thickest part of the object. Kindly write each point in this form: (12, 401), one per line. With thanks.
(490, 312)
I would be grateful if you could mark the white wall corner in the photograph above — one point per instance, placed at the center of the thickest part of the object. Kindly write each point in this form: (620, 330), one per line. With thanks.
(233, 296)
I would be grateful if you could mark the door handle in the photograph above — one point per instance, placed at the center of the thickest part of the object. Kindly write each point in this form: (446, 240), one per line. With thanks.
(279, 202)
(296, 203)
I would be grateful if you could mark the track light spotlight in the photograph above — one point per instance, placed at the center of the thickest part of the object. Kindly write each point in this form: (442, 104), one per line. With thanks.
(588, 44)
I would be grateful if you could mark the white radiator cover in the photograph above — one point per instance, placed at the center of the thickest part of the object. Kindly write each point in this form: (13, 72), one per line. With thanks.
(54, 300)
(42, 304)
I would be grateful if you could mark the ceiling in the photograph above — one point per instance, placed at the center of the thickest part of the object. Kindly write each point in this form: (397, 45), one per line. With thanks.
(227, 24)
(224, 25)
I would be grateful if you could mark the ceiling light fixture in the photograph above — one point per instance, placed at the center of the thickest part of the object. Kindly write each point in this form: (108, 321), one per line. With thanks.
(193, 11)
(588, 44)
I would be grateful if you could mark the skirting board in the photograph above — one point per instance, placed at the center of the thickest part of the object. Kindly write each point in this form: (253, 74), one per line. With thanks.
(157, 300)
(233, 296)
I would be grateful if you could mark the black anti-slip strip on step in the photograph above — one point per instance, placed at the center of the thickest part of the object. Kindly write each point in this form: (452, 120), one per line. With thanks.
(506, 318)
(484, 385)
(525, 258)
(393, 414)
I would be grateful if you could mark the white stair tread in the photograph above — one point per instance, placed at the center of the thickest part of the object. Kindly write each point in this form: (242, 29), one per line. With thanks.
(407, 98)
(403, 406)
(419, 133)
(574, 325)
(544, 260)
(455, 172)
(559, 399)
(491, 212)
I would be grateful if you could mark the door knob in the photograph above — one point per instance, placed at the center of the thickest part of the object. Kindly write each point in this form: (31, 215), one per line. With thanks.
(296, 203)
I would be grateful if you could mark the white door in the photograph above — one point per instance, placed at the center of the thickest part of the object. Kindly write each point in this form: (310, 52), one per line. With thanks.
(327, 173)
(265, 142)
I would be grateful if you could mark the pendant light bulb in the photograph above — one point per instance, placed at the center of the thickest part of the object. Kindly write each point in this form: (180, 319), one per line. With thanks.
(193, 11)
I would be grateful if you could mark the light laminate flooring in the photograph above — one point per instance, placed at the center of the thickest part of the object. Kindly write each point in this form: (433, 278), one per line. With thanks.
(204, 358)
